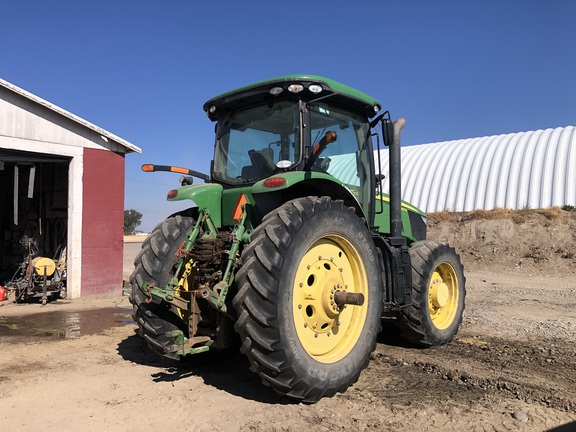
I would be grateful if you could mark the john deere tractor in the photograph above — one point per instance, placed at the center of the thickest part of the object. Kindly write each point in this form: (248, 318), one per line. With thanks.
(290, 249)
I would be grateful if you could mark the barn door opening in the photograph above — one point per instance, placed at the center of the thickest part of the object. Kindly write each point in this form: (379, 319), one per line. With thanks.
(33, 222)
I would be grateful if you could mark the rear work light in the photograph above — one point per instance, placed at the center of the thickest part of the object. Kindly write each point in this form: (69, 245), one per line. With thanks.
(315, 88)
(295, 88)
(275, 91)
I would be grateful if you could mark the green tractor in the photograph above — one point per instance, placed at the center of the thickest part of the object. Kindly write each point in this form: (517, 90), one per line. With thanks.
(291, 244)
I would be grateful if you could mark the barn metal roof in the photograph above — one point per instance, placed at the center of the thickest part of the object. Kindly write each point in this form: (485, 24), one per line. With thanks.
(103, 132)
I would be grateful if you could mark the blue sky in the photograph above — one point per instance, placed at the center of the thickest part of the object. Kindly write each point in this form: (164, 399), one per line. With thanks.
(143, 69)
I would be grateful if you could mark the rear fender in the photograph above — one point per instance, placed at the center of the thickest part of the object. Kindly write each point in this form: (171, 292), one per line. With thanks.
(302, 184)
(207, 197)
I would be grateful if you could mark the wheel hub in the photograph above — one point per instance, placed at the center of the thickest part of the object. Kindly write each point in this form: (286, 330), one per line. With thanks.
(329, 289)
(322, 281)
(439, 294)
(443, 293)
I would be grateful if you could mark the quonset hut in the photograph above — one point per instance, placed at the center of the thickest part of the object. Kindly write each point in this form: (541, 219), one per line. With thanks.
(535, 169)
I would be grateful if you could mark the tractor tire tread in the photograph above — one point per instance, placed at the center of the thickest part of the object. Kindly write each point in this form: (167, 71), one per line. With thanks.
(255, 301)
(414, 323)
(152, 265)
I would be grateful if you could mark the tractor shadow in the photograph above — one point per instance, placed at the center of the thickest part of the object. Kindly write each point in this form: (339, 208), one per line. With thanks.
(227, 370)
(390, 335)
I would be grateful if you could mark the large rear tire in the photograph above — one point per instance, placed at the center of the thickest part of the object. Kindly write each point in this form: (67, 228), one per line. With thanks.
(438, 295)
(155, 264)
(297, 338)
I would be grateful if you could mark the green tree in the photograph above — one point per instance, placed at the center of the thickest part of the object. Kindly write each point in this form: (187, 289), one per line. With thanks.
(132, 219)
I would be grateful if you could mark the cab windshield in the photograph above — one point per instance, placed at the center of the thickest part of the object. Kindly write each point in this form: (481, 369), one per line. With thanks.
(250, 142)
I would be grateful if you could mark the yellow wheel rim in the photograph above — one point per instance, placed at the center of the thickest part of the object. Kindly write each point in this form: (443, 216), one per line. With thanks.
(326, 330)
(443, 296)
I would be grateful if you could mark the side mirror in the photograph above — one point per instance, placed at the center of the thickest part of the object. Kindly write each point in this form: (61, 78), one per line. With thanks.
(387, 131)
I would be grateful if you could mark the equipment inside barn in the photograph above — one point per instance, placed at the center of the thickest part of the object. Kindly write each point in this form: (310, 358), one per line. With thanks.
(33, 225)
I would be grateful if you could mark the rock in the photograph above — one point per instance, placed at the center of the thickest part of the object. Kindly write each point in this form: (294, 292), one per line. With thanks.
(520, 416)
(452, 376)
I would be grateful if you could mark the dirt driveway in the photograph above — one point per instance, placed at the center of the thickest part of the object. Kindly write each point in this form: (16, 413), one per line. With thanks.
(79, 366)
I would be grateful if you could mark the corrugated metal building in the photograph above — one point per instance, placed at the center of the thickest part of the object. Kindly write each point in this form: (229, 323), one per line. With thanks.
(534, 169)
(61, 183)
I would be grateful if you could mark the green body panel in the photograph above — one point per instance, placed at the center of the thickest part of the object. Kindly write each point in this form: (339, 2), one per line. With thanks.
(333, 85)
(382, 220)
(206, 196)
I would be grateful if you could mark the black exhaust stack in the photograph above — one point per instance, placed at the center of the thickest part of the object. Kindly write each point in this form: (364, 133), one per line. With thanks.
(397, 262)
(395, 173)
(399, 290)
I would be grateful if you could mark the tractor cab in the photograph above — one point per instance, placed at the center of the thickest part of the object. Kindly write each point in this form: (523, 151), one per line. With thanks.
(295, 123)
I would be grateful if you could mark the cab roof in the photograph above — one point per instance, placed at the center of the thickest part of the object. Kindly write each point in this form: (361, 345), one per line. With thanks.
(260, 92)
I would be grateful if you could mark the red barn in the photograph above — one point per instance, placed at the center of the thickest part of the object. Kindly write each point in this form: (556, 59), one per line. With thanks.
(62, 184)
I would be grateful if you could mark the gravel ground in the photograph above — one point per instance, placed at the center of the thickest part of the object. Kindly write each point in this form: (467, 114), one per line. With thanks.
(510, 368)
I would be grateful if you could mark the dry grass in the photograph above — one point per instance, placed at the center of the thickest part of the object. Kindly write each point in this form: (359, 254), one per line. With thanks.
(550, 215)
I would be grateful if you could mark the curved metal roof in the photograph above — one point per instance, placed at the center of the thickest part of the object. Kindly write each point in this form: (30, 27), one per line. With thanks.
(527, 169)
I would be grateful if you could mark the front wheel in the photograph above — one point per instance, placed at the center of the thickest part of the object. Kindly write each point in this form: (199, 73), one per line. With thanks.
(309, 298)
(438, 295)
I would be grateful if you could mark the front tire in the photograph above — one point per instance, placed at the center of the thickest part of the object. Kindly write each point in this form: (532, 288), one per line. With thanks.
(438, 295)
(297, 338)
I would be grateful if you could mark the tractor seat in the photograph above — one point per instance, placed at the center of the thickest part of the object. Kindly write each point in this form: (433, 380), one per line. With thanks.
(262, 164)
